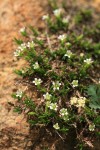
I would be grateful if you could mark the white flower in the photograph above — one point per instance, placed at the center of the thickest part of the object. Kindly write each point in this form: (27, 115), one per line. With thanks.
(81, 102)
(36, 65)
(75, 83)
(56, 85)
(62, 37)
(22, 30)
(66, 20)
(68, 44)
(57, 12)
(78, 102)
(23, 71)
(53, 106)
(63, 112)
(56, 126)
(30, 44)
(65, 118)
(19, 94)
(37, 81)
(17, 53)
(48, 104)
(73, 100)
(81, 54)
(19, 49)
(91, 127)
(47, 96)
(22, 46)
(99, 81)
(45, 17)
(88, 61)
(68, 54)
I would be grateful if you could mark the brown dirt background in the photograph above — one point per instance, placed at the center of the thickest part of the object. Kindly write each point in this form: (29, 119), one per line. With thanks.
(15, 14)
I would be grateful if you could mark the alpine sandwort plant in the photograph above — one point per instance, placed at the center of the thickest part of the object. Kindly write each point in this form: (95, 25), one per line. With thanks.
(58, 75)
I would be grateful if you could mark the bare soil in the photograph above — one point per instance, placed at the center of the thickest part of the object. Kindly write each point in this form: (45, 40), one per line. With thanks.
(13, 16)
(14, 130)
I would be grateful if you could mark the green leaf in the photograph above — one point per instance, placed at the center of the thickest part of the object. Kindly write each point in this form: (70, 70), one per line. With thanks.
(17, 110)
(97, 120)
(18, 41)
(29, 103)
(31, 113)
(93, 92)
(35, 31)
